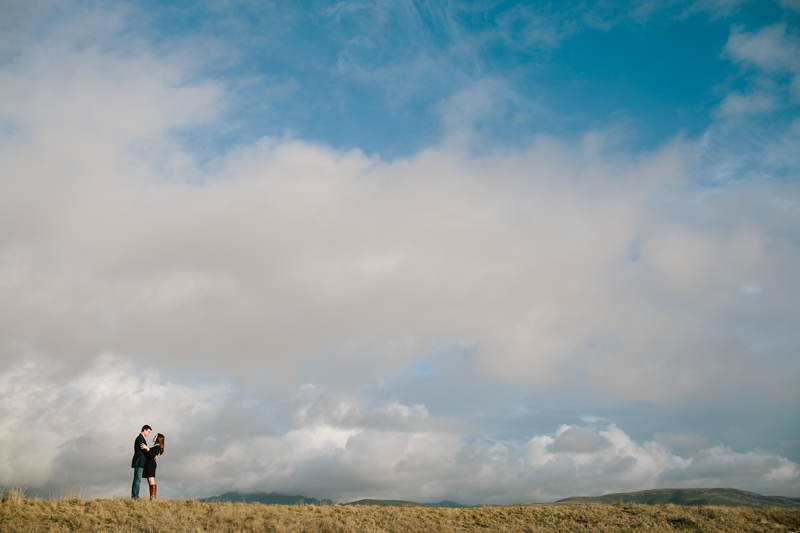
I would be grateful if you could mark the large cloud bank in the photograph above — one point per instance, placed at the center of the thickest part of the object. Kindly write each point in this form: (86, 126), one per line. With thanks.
(334, 446)
(562, 255)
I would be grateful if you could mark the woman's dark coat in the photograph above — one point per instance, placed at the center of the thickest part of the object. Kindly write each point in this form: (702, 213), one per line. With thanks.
(150, 461)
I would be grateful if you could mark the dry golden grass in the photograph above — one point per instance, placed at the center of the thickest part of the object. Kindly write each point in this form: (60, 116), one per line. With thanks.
(18, 514)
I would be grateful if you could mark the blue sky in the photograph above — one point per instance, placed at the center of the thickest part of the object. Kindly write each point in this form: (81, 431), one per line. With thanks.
(488, 252)
(373, 76)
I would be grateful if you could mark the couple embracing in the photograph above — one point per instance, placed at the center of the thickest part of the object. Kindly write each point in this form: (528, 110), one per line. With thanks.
(144, 461)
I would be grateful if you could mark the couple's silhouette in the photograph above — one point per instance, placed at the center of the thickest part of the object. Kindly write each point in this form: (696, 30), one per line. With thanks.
(144, 461)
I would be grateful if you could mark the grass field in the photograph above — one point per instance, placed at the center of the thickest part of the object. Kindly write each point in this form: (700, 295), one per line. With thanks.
(18, 514)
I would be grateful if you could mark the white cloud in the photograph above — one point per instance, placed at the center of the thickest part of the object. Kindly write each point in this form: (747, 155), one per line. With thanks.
(739, 104)
(771, 49)
(80, 430)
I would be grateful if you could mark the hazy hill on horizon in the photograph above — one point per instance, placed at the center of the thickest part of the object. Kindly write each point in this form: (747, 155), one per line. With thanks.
(276, 498)
(406, 503)
(268, 498)
(690, 497)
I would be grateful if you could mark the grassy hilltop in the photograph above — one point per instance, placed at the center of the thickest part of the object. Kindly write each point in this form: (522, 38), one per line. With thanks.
(18, 514)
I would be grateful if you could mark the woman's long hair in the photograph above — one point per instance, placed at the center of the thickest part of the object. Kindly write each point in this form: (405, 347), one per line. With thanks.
(160, 442)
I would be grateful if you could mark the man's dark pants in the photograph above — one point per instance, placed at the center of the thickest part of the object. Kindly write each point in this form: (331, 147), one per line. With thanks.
(137, 481)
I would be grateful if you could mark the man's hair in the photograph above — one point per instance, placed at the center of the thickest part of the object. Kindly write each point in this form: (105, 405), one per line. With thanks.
(146, 427)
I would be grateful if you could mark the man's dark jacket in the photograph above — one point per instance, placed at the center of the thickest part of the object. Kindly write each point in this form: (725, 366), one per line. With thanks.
(138, 453)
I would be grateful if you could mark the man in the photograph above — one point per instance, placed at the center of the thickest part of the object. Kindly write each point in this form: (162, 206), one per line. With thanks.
(138, 459)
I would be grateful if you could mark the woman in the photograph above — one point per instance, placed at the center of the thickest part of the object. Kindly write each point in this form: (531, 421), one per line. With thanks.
(151, 454)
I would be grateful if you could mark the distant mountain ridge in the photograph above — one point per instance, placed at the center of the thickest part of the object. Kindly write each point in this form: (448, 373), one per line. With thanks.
(689, 497)
(276, 498)
(269, 498)
(405, 503)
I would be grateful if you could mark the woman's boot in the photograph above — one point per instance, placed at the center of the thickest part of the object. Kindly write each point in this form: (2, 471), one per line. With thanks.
(155, 491)
(152, 492)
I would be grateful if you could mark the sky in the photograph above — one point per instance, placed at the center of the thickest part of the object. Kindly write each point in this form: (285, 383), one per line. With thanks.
(488, 252)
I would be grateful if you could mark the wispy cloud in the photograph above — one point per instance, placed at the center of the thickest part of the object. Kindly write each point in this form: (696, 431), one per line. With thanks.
(752, 135)
(739, 104)
(772, 52)
(769, 48)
